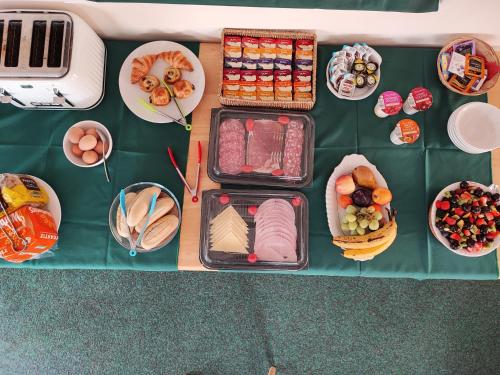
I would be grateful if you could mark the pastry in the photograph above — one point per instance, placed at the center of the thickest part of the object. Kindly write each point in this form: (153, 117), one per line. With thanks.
(159, 96)
(172, 75)
(148, 83)
(141, 67)
(183, 89)
(177, 60)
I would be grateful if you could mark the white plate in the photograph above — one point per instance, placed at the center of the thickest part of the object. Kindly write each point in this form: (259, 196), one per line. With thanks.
(346, 166)
(478, 125)
(54, 206)
(359, 93)
(435, 231)
(454, 137)
(131, 93)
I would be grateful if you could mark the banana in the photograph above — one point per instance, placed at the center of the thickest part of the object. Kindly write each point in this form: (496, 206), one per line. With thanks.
(370, 252)
(373, 239)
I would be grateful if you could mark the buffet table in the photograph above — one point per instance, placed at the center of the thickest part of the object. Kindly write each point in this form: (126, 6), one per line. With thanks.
(31, 143)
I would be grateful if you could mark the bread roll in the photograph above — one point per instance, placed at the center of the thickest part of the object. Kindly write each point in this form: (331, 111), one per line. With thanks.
(140, 207)
(121, 224)
(159, 231)
(163, 207)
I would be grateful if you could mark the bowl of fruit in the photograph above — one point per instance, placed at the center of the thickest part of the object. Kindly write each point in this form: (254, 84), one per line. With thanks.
(358, 209)
(465, 216)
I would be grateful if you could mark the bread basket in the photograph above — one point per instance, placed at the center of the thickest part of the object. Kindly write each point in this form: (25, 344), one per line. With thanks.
(482, 49)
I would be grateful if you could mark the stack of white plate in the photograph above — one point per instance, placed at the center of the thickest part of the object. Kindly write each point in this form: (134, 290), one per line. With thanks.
(475, 127)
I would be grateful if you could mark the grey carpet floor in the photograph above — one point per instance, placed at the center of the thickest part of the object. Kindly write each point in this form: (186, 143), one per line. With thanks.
(94, 322)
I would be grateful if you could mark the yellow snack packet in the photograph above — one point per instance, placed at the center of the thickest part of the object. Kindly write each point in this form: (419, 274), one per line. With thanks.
(20, 190)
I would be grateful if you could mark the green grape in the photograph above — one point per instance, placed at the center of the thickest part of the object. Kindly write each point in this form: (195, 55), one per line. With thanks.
(353, 232)
(360, 231)
(378, 215)
(351, 218)
(345, 227)
(364, 223)
(353, 225)
(363, 210)
(344, 220)
(373, 225)
(371, 209)
(351, 209)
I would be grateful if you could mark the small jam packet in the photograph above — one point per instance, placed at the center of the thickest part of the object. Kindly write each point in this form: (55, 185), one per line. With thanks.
(302, 87)
(462, 83)
(267, 43)
(268, 53)
(248, 86)
(302, 76)
(283, 64)
(248, 95)
(248, 63)
(231, 74)
(304, 65)
(476, 86)
(267, 96)
(265, 86)
(307, 55)
(283, 96)
(284, 43)
(249, 42)
(302, 96)
(251, 53)
(457, 64)
(249, 75)
(265, 76)
(283, 86)
(283, 53)
(234, 41)
(282, 75)
(347, 85)
(232, 62)
(474, 66)
(465, 48)
(445, 64)
(231, 51)
(231, 94)
(406, 131)
(231, 85)
(304, 44)
(266, 64)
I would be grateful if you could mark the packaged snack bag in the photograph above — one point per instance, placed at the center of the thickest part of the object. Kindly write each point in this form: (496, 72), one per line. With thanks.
(20, 190)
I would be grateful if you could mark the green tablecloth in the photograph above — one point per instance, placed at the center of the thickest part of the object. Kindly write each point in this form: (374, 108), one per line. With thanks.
(30, 142)
(415, 6)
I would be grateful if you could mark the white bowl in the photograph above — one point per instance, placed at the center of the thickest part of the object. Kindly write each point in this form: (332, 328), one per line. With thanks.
(435, 231)
(359, 93)
(85, 125)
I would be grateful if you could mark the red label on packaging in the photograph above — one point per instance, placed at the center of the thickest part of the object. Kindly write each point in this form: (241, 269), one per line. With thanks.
(422, 98)
(283, 75)
(230, 40)
(284, 43)
(247, 41)
(304, 44)
(265, 76)
(302, 76)
(231, 74)
(249, 75)
(267, 43)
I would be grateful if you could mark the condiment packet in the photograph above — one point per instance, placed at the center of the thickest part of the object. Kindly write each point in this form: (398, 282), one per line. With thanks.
(248, 63)
(302, 96)
(231, 94)
(360, 51)
(474, 66)
(335, 78)
(234, 41)
(284, 43)
(304, 44)
(478, 83)
(347, 85)
(304, 65)
(265, 86)
(462, 83)
(231, 74)
(405, 131)
(232, 62)
(283, 53)
(445, 64)
(304, 55)
(465, 48)
(248, 95)
(457, 64)
(231, 51)
(231, 85)
(267, 43)
(265, 75)
(282, 64)
(251, 53)
(268, 53)
(249, 75)
(302, 87)
(248, 86)
(282, 87)
(265, 64)
(302, 76)
(265, 96)
(249, 42)
(283, 96)
(282, 75)
(389, 103)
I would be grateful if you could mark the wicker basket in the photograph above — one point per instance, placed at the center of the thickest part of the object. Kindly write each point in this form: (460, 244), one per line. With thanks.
(258, 33)
(483, 49)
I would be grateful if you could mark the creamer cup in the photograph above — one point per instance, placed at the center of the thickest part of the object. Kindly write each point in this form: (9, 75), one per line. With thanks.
(405, 131)
(419, 99)
(389, 103)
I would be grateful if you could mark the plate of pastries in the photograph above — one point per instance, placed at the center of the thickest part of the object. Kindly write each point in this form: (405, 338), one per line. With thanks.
(156, 73)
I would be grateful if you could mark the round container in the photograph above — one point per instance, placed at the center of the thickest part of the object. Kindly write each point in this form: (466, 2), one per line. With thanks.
(123, 241)
(419, 99)
(435, 231)
(85, 125)
(405, 131)
(482, 49)
(389, 103)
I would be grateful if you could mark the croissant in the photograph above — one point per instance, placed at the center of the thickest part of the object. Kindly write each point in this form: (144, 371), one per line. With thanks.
(159, 96)
(177, 60)
(141, 66)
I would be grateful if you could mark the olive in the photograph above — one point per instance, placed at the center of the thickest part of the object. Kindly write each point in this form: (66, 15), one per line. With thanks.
(454, 244)
(480, 238)
(495, 197)
(471, 242)
(439, 225)
(464, 185)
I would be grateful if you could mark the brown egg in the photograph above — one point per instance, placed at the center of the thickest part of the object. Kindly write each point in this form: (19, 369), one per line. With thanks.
(98, 148)
(87, 143)
(91, 131)
(90, 157)
(76, 151)
(75, 134)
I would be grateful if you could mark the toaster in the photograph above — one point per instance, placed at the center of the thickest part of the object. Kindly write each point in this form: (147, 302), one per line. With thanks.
(50, 60)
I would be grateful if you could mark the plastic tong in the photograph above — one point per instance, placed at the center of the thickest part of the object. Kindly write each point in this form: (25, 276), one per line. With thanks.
(192, 191)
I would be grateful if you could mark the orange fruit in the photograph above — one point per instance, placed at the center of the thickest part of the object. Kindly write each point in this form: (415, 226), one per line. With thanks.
(381, 195)
(344, 201)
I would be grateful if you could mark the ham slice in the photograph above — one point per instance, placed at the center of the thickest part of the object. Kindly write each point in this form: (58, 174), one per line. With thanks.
(264, 146)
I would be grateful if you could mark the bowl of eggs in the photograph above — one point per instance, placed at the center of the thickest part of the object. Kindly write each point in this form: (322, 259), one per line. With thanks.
(83, 144)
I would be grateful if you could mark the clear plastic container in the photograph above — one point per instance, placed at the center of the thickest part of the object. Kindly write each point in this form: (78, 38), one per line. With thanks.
(261, 147)
(276, 222)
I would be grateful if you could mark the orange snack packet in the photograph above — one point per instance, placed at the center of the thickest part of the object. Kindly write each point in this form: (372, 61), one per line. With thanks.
(36, 226)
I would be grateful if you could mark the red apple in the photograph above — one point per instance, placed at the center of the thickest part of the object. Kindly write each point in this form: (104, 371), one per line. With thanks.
(345, 185)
